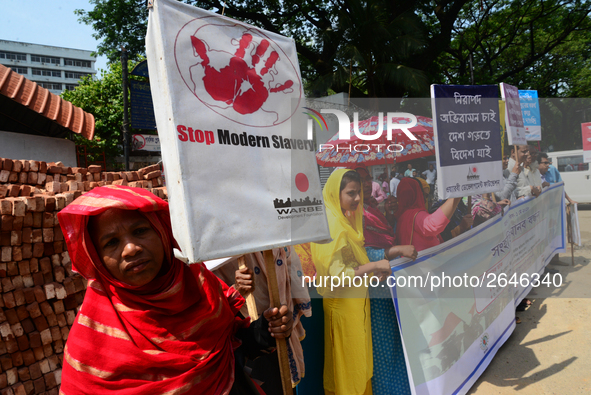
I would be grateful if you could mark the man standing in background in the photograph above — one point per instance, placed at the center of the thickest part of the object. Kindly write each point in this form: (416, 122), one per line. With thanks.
(431, 176)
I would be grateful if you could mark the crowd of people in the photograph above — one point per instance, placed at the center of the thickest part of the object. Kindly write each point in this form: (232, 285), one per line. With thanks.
(152, 324)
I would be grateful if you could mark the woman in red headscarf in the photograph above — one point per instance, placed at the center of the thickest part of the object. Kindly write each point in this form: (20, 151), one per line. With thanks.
(149, 323)
(415, 225)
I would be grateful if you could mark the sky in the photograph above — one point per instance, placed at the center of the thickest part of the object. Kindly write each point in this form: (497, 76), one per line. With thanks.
(48, 22)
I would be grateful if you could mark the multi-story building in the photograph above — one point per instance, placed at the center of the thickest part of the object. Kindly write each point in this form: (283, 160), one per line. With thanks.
(54, 68)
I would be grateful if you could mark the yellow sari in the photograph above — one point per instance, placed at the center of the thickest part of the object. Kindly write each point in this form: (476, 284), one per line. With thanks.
(348, 360)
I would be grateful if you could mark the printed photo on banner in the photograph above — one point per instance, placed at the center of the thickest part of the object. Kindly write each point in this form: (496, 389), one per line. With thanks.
(530, 111)
(467, 139)
(240, 169)
(513, 116)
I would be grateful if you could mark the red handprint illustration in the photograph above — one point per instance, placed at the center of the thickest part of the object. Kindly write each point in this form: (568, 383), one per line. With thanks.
(243, 86)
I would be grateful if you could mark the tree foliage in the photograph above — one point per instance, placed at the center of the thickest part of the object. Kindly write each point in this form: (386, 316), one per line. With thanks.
(102, 97)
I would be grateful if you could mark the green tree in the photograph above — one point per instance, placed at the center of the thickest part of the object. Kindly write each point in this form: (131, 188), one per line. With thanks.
(102, 97)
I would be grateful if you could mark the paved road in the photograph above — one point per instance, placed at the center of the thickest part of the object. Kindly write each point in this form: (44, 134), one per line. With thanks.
(550, 351)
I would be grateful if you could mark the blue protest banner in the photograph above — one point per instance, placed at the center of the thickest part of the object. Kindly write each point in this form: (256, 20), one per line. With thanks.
(530, 109)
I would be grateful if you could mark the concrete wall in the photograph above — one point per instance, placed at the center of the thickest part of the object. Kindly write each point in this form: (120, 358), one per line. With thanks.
(47, 149)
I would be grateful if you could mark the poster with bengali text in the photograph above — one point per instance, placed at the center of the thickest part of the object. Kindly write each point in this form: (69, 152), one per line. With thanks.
(530, 111)
(513, 116)
(467, 139)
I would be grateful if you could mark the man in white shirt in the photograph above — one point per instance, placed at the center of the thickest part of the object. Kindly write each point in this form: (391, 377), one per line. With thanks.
(529, 182)
(431, 176)
(394, 185)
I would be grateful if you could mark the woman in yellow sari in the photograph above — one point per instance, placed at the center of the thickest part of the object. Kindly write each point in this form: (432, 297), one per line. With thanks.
(348, 364)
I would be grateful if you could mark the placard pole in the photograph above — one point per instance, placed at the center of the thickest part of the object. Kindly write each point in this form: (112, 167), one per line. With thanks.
(250, 302)
(276, 302)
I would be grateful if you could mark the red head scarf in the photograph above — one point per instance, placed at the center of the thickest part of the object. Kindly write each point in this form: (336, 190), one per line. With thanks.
(172, 335)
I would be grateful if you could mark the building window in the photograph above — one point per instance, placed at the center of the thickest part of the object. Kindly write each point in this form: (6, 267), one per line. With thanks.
(45, 59)
(47, 73)
(76, 76)
(51, 86)
(71, 87)
(77, 63)
(13, 56)
(20, 70)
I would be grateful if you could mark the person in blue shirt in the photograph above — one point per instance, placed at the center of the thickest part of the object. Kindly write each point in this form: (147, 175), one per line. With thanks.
(549, 173)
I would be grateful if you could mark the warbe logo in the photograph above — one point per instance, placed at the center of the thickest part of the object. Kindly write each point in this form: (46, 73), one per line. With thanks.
(472, 174)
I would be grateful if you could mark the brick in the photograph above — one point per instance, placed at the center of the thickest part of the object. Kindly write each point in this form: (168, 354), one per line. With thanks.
(11, 316)
(94, 168)
(48, 235)
(39, 385)
(7, 284)
(3, 349)
(35, 371)
(52, 320)
(19, 389)
(41, 178)
(5, 238)
(34, 265)
(6, 206)
(38, 351)
(40, 323)
(46, 337)
(49, 203)
(7, 164)
(11, 376)
(3, 270)
(61, 320)
(27, 251)
(23, 342)
(35, 339)
(59, 273)
(47, 351)
(5, 330)
(3, 191)
(45, 308)
(34, 310)
(54, 187)
(13, 177)
(60, 291)
(17, 253)
(56, 333)
(32, 177)
(17, 358)
(29, 387)
(38, 279)
(6, 254)
(65, 332)
(50, 380)
(9, 301)
(23, 178)
(49, 290)
(7, 221)
(12, 270)
(28, 220)
(6, 362)
(3, 381)
(29, 293)
(28, 325)
(4, 174)
(26, 190)
(37, 219)
(39, 294)
(38, 249)
(70, 317)
(48, 220)
(47, 278)
(19, 297)
(33, 165)
(11, 345)
(28, 357)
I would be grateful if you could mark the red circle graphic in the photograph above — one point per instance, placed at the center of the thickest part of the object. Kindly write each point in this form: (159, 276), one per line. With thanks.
(302, 183)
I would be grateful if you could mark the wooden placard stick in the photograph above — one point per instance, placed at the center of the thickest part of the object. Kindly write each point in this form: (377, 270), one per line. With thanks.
(470, 204)
(569, 233)
(276, 302)
(250, 302)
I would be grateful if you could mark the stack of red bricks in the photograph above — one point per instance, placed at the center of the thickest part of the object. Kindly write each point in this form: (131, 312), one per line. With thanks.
(39, 293)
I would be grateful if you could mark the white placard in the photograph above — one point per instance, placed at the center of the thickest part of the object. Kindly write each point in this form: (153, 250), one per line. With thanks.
(240, 172)
(513, 116)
